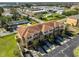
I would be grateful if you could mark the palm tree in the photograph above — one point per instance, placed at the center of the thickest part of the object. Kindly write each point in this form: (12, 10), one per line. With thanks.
(35, 43)
(68, 30)
(49, 38)
(28, 5)
(1, 11)
(14, 12)
(4, 21)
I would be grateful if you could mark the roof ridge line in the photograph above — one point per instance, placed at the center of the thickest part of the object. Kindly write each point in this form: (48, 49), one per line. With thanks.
(24, 32)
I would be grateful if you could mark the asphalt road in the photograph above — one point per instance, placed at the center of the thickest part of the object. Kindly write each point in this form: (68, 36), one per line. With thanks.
(66, 50)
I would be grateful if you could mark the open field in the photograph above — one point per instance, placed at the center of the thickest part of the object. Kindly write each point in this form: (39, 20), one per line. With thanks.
(8, 46)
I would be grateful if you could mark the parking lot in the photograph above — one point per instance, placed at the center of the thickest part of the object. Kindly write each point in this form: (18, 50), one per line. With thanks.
(66, 50)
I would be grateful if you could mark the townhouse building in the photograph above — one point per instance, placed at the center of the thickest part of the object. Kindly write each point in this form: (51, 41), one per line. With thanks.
(31, 35)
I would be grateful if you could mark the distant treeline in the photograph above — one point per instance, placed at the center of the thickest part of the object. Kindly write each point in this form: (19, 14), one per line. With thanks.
(9, 4)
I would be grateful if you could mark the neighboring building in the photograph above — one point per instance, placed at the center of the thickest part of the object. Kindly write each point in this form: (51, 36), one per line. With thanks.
(38, 9)
(75, 6)
(28, 35)
(14, 24)
(8, 5)
(73, 20)
(60, 11)
(77, 16)
(7, 12)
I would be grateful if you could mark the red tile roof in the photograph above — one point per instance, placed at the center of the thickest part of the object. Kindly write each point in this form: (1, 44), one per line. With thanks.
(21, 30)
(47, 26)
(33, 29)
(30, 30)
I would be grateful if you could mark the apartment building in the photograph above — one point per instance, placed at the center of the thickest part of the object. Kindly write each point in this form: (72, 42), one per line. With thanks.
(38, 9)
(40, 32)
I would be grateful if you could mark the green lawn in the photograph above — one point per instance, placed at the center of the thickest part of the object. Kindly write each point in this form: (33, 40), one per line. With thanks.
(54, 16)
(8, 46)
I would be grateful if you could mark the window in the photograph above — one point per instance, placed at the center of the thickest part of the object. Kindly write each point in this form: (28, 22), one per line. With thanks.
(29, 37)
(40, 33)
(18, 40)
(36, 34)
(24, 40)
(45, 31)
(30, 42)
(51, 30)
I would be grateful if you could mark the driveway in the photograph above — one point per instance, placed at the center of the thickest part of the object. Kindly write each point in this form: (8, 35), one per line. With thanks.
(66, 50)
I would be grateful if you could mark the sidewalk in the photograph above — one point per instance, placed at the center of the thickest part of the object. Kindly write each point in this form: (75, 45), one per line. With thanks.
(6, 33)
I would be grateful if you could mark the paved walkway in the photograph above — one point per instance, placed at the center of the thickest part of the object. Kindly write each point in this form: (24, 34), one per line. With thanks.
(6, 33)
(66, 50)
(33, 18)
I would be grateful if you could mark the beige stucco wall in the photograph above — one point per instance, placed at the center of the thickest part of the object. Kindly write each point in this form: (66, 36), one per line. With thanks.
(71, 21)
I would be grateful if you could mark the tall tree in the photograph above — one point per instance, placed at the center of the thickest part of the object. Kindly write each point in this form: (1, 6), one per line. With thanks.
(1, 11)
(13, 10)
(4, 20)
(28, 5)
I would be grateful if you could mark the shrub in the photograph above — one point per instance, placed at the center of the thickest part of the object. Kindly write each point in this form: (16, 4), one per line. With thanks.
(76, 52)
